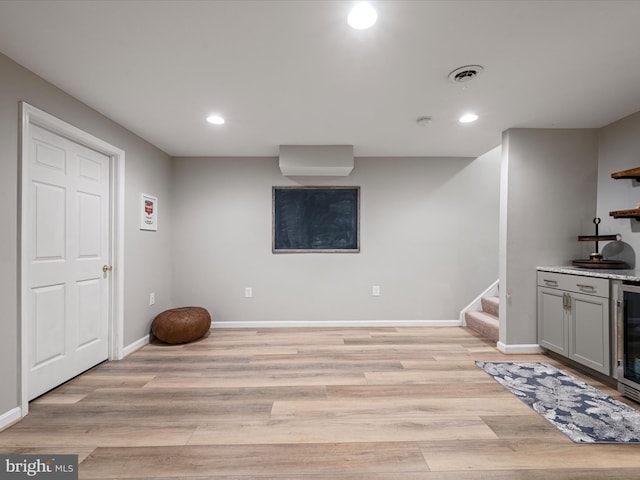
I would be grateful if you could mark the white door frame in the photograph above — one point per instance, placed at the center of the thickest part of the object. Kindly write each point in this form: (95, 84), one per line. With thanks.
(30, 115)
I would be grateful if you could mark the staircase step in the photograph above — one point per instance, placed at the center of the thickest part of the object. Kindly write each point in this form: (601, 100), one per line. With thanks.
(483, 323)
(491, 305)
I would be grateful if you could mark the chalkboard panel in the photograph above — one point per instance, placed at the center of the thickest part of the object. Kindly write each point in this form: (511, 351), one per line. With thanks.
(316, 219)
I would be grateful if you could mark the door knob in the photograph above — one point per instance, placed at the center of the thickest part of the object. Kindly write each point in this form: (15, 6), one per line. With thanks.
(107, 268)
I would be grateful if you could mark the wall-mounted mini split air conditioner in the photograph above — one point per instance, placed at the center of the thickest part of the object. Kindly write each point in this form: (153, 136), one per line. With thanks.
(316, 160)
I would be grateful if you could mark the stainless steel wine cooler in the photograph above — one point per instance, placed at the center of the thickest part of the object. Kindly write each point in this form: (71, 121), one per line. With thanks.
(628, 340)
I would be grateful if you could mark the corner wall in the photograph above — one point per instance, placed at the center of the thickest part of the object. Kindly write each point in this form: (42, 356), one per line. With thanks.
(619, 149)
(147, 169)
(549, 183)
(429, 236)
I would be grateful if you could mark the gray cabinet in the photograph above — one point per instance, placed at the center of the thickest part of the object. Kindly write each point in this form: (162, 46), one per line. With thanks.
(553, 331)
(573, 318)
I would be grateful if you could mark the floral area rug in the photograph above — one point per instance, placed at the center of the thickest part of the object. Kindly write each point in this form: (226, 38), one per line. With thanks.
(580, 411)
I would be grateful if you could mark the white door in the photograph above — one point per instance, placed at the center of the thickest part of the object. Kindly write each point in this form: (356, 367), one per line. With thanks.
(68, 228)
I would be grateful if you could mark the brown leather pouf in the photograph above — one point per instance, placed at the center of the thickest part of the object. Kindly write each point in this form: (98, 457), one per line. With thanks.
(180, 325)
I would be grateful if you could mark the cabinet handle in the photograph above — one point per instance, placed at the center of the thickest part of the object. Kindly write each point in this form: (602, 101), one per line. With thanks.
(566, 301)
(590, 288)
(551, 283)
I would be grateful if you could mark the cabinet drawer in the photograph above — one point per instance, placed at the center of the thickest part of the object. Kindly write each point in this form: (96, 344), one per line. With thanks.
(575, 283)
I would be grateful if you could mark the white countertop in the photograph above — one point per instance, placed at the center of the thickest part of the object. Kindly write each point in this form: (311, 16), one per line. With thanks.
(629, 275)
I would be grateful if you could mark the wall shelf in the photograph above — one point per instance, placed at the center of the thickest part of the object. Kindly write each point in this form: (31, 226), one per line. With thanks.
(631, 173)
(630, 213)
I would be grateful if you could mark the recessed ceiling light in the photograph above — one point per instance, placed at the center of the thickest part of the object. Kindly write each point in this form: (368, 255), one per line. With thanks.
(362, 16)
(468, 118)
(215, 119)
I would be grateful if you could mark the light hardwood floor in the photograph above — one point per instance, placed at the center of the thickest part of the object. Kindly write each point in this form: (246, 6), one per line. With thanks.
(309, 404)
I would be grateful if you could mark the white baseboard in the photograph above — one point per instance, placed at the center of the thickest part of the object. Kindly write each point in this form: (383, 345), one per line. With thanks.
(522, 348)
(10, 417)
(136, 345)
(338, 323)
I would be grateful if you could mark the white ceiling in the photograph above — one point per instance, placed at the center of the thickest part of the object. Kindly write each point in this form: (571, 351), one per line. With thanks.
(293, 72)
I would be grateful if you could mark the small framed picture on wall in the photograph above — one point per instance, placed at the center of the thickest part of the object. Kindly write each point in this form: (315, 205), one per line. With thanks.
(148, 212)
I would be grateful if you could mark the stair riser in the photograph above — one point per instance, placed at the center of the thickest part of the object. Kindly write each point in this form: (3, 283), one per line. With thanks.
(487, 328)
(491, 306)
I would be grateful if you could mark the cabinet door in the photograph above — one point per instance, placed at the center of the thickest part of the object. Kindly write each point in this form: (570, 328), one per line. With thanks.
(589, 331)
(552, 324)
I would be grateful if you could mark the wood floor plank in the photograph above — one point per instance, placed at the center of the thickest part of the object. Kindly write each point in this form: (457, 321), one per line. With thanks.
(303, 378)
(171, 351)
(94, 378)
(255, 461)
(556, 452)
(444, 389)
(59, 398)
(415, 408)
(433, 364)
(295, 430)
(416, 377)
(98, 435)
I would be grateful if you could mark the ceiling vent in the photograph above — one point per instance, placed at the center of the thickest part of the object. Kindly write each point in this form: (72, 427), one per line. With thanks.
(465, 74)
(316, 160)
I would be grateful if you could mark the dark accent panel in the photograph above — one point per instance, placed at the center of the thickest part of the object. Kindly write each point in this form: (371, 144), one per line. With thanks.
(316, 219)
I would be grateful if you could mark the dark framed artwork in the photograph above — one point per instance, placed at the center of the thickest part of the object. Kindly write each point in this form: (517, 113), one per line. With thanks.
(316, 220)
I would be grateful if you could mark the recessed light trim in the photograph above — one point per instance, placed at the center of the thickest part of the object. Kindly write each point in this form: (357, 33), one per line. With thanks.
(216, 119)
(362, 16)
(468, 118)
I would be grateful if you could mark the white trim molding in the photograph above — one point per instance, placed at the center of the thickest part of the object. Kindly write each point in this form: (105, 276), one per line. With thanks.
(9, 418)
(476, 303)
(337, 324)
(137, 345)
(516, 349)
(30, 115)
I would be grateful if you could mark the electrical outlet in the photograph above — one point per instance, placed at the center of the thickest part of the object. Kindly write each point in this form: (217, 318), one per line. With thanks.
(375, 290)
(152, 298)
(248, 292)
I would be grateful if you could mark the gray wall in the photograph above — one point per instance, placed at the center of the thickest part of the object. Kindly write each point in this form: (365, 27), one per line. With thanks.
(548, 198)
(429, 232)
(147, 169)
(619, 149)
